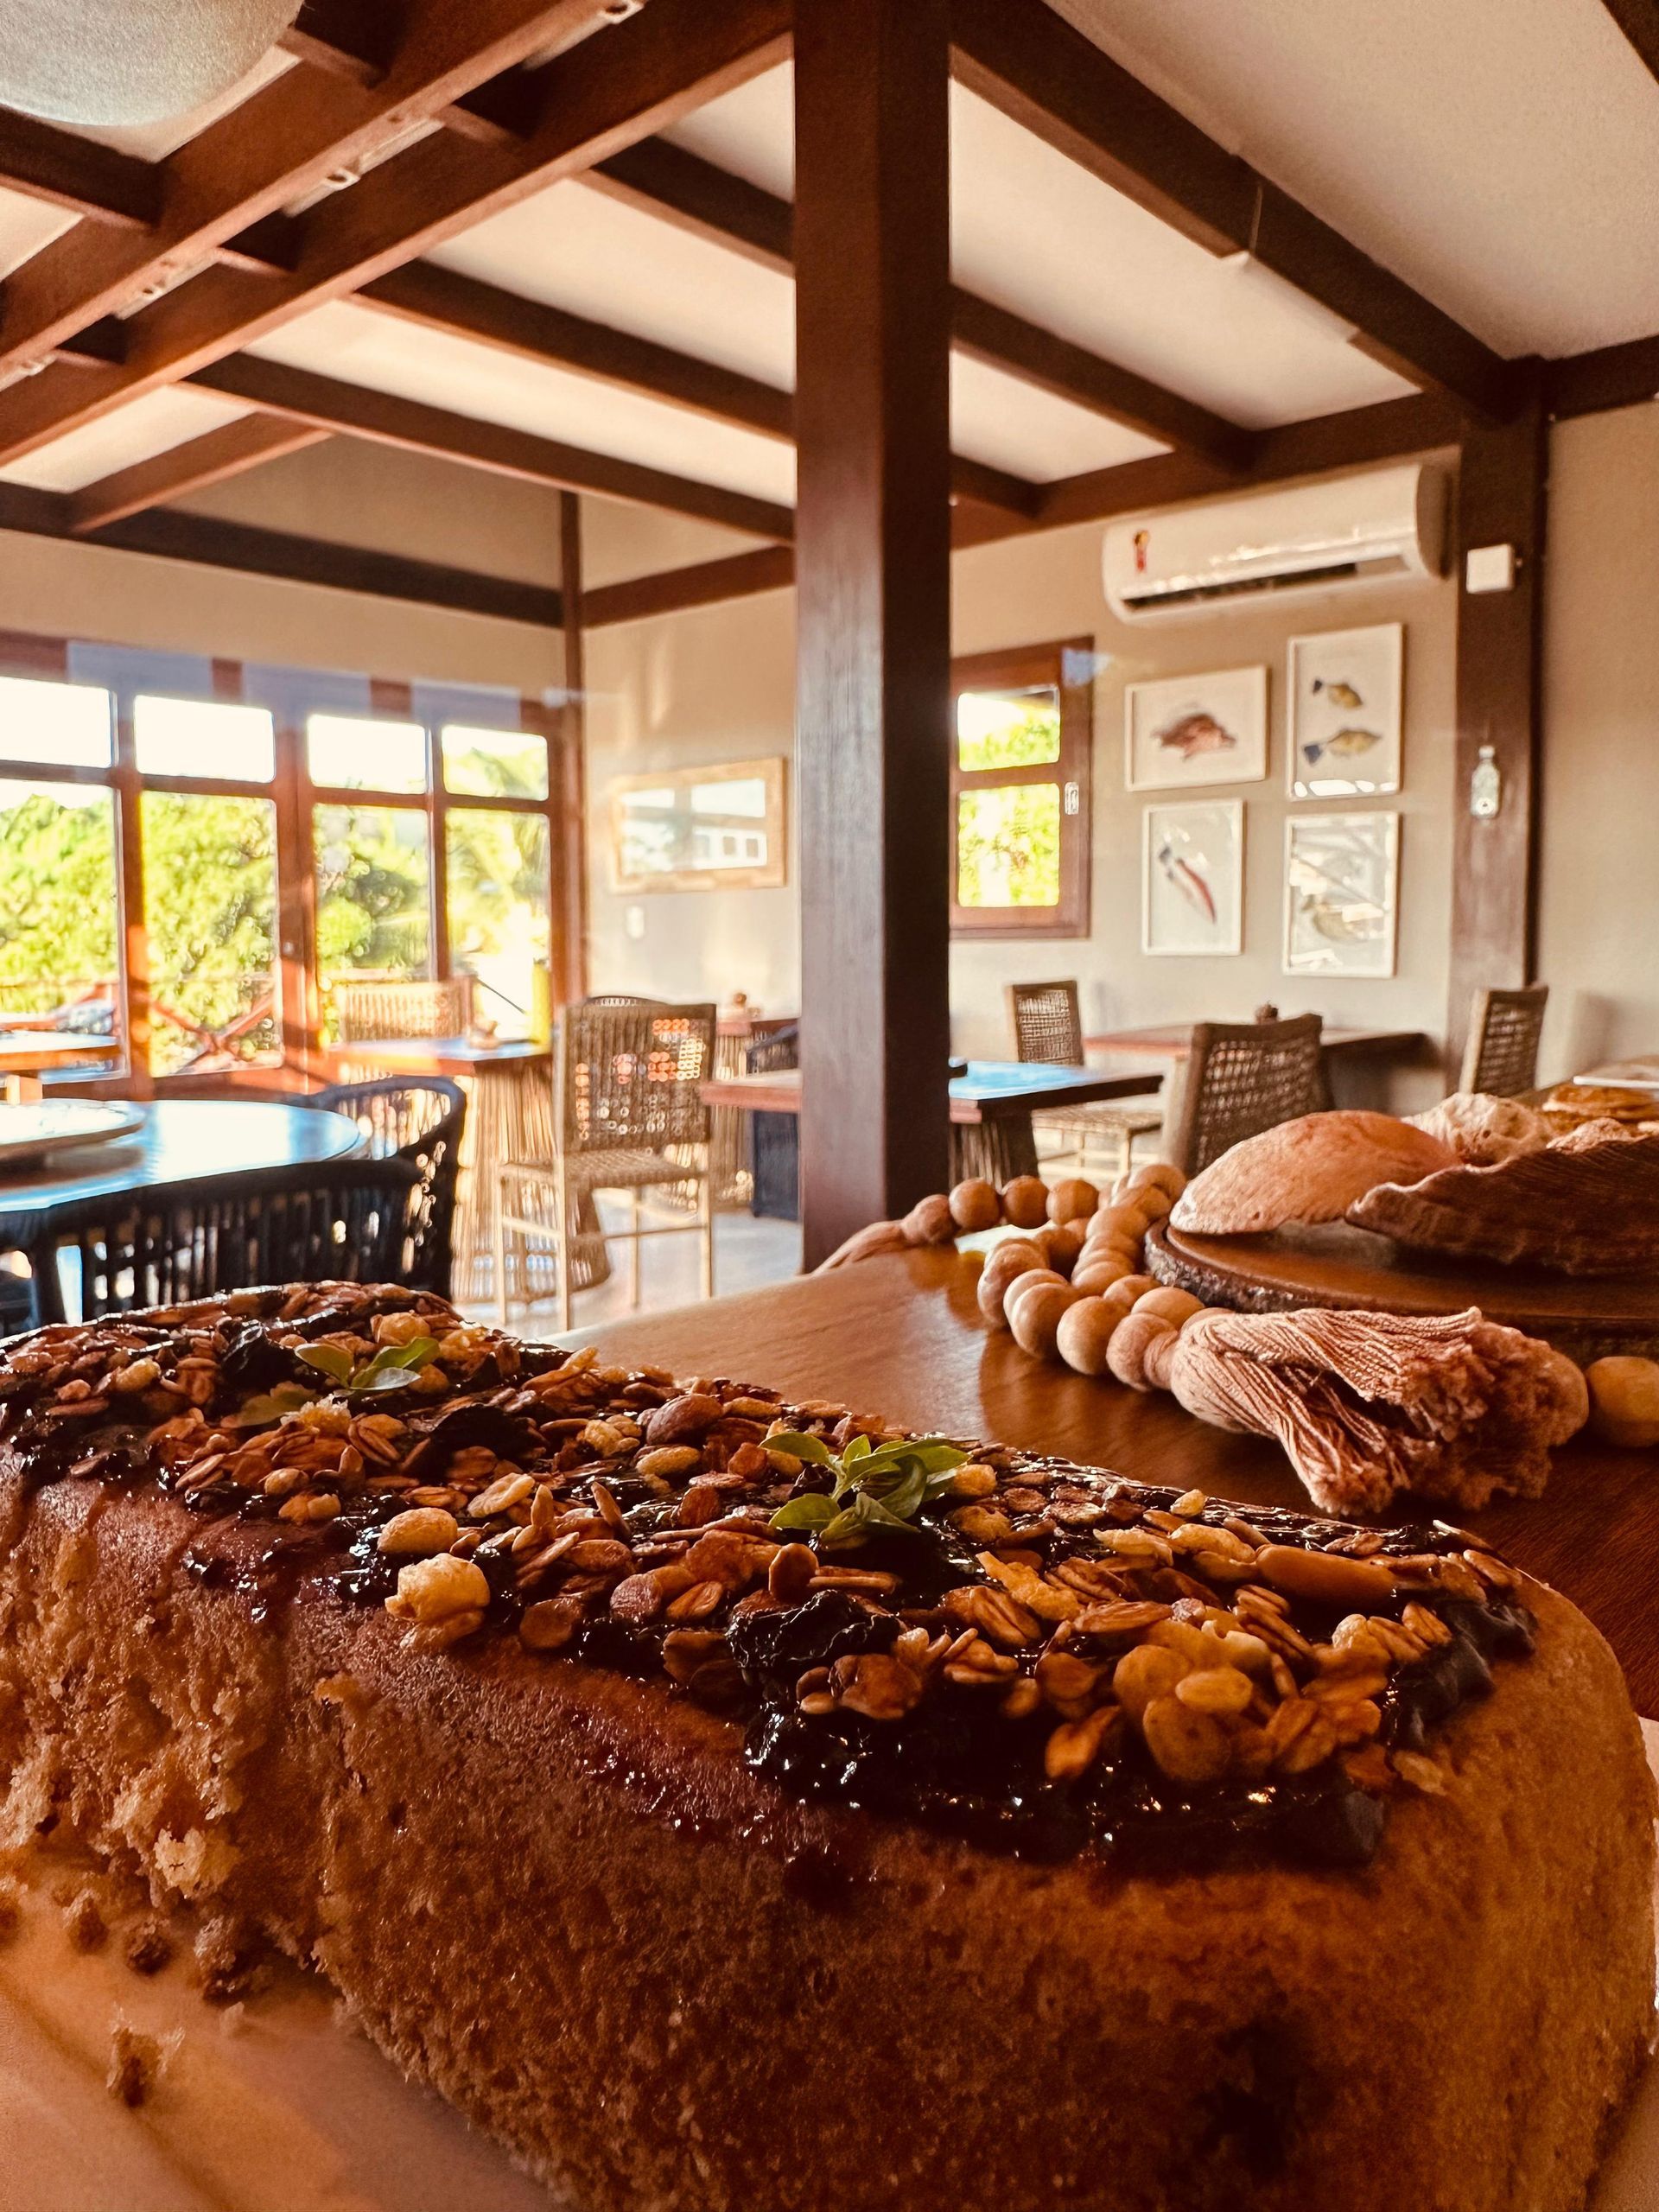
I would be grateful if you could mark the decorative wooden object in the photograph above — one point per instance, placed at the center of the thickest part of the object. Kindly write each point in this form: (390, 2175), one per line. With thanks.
(872, 252)
(1336, 1265)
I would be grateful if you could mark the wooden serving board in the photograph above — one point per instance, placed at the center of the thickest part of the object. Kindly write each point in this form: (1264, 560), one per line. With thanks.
(1333, 1264)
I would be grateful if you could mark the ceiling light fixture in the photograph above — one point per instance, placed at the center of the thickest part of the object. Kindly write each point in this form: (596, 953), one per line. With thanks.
(118, 61)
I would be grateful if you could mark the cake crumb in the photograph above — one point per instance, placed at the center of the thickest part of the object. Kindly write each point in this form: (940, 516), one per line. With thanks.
(228, 1964)
(134, 2064)
(148, 1946)
(83, 1917)
(233, 2020)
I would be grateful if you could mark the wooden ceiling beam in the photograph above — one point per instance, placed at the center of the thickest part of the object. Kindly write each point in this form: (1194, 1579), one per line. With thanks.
(329, 405)
(218, 454)
(1027, 61)
(598, 98)
(665, 181)
(1610, 376)
(1392, 430)
(1639, 20)
(97, 182)
(282, 143)
(207, 541)
(434, 297)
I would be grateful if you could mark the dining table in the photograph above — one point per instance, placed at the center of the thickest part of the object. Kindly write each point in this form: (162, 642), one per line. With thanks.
(991, 1103)
(901, 1335)
(509, 1087)
(27, 1055)
(183, 1142)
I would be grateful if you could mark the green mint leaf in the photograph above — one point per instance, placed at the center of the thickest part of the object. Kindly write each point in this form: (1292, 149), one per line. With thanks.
(812, 1511)
(802, 1447)
(332, 1360)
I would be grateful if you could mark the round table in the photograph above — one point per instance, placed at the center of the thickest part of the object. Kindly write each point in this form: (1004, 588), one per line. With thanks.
(184, 1141)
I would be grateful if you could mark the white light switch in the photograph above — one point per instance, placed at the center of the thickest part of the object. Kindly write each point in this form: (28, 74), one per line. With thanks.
(1489, 568)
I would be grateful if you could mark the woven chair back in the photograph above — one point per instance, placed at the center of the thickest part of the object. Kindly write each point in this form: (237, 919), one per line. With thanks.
(1501, 1054)
(630, 1073)
(419, 1119)
(1047, 1026)
(1242, 1078)
(416, 1007)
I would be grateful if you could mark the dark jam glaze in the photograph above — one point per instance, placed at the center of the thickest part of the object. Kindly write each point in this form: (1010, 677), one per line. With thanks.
(956, 1762)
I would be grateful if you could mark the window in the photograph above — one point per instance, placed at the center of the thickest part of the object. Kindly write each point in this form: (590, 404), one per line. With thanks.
(1020, 791)
(185, 869)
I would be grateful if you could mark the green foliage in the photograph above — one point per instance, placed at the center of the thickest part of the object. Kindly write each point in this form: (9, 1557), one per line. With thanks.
(210, 907)
(1008, 846)
(877, 1488)
(57, 895)
(994, 732)
(372, 889)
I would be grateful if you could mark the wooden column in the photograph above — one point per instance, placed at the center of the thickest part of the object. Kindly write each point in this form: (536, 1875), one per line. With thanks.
(873, 554)
(569, 863)
(1501, 497)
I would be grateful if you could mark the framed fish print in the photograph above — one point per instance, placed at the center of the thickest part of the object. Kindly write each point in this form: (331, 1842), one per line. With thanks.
(1342, 887)
(1192, 877)
(1182, 730)
(1345, 712)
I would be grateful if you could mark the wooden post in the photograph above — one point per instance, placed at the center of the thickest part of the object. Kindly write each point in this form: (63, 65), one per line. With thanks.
(873, 555)
(1501, 492)
(569, 864)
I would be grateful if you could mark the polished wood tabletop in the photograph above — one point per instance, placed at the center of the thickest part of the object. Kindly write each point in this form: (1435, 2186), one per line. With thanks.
(990, 1090)
(1173, 1041)
(902, 1336)
(455, 1056)
(23, 1051)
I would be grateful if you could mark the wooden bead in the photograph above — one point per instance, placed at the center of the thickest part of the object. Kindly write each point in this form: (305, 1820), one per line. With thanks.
(1142, 1285)
(1012, 1257)
(1169, 1304)
(1074, 1200)
(1157, 1362)
(1098, 1271)
(1131, 1340)
(1085, 1332)
(1035, 1316)
(929, 1221)
(1160, 1174)
(1025, 1202)
(1065, 1247)
(975, 1205)
(1127, 1249)
(1625, 1401)
(1031, 1279)
(1127, 1218)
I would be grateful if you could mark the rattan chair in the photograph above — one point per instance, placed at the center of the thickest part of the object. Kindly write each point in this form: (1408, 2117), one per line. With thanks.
(629, 1117)
(415, 1005)
(1501, 1054)
(420, 1120)
(308, 1222)
(1048, 1028)
(1242, 1078)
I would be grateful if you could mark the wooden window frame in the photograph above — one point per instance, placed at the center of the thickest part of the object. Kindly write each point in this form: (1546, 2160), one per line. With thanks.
(295, 799)
(1033, 668)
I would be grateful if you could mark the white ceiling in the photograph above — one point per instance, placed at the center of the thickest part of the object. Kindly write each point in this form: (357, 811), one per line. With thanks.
(1501, 154)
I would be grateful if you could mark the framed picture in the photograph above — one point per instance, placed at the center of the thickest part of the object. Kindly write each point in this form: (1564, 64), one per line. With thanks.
(1196, 729)
(1192, 877)
(700, 828)
(1345, 712)
(1342, 885)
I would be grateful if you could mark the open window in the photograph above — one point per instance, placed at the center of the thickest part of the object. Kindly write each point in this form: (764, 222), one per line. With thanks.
(1020, 791)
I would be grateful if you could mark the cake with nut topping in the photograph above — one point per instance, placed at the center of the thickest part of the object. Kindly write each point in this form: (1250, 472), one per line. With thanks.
(723, 1800)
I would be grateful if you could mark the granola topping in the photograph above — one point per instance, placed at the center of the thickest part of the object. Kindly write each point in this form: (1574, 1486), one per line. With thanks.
(1040, 1657)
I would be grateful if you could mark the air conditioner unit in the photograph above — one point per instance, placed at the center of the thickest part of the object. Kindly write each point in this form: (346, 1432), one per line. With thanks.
(1388, 525)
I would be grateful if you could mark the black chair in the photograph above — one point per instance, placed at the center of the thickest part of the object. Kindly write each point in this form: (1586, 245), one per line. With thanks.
(310, 1222)
(419, 1119)
(775, 1138)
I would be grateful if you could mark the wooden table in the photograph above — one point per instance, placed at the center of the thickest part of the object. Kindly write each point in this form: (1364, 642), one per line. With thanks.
(1173, 1041)
(509, 1116)
(995, 1100)
(902, 1336)
(26, 1054)
(184, 1141)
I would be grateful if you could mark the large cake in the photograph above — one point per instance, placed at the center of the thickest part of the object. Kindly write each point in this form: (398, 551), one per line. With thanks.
(727, 1803)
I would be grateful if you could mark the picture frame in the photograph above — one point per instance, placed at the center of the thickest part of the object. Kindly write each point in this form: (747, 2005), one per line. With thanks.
(690, 827)
(1180, 732)
(1342, 894)
(1345, 717)
(1192, 878)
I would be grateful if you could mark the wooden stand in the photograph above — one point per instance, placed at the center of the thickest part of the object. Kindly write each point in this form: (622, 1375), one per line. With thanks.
(1335, 1265)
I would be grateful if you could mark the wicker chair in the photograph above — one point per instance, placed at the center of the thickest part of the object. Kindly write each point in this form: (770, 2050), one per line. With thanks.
(1242, 1078)
(1048, 1028)
(310, 1222)
(1501, 1054)
(629, 1117)
(414, 1007)
(418, 1119)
